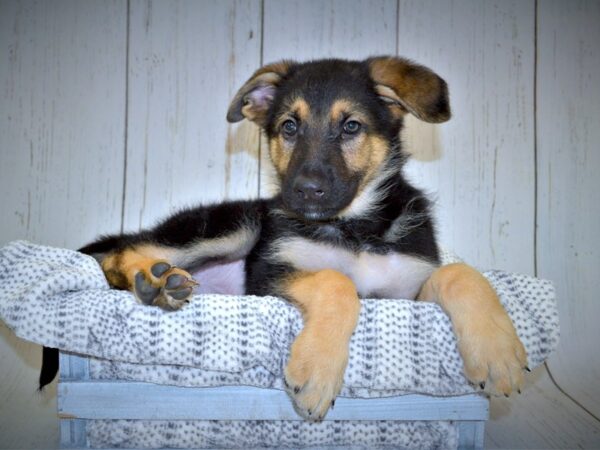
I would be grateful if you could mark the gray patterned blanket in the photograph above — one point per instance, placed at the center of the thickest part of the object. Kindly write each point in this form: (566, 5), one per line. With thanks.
(60, 298)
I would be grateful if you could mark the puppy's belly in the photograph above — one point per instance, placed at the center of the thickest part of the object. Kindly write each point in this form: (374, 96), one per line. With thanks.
(392, 275)
(221, 278)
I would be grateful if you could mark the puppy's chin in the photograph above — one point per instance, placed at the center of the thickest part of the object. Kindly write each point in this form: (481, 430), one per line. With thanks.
(314, 211)
(311, 213)
(315, 216)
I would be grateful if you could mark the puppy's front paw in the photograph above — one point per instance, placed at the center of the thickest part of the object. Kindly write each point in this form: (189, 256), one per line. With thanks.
(163, 285)
(315, 373)
(493, 354)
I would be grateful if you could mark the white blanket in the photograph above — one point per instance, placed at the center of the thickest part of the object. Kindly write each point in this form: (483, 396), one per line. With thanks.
(60, 298)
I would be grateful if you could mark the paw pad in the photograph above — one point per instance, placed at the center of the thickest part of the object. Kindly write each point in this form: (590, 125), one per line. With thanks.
(159, 269)
(163, 285)
(144, 290)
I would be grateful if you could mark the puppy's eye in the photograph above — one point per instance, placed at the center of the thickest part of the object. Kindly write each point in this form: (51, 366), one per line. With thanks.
(289, 127)
(352, 127)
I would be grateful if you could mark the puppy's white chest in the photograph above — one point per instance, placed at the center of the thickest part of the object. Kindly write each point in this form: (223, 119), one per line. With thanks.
(391, 275)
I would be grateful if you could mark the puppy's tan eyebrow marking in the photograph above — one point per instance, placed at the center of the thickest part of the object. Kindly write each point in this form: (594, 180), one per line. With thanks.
(296, 108)
(301, 109)
(344, 107)
(339, 109)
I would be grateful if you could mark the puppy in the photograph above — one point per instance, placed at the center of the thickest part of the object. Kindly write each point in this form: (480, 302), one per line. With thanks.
(345, 224)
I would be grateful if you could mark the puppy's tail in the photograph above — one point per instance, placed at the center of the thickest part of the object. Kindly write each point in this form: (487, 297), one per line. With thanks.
(49, 366)
(50, 355)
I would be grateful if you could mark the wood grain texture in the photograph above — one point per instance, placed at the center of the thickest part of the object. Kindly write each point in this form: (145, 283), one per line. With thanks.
(73, 433)
(186, 59)
(480, 164)
(542, 417)
(568, 249)
(304, 30)
(62, 120)
(352, 29)
(73, 367)
(64, 76)
(471, 435)
(62, 107)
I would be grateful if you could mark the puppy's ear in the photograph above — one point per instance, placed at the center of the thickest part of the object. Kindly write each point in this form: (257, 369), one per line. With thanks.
(255, 97)
(409, 87)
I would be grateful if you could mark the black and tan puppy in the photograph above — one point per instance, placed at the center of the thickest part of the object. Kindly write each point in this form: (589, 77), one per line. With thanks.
(345, 224)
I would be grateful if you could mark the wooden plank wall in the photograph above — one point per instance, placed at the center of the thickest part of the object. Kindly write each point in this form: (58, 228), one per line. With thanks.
(186, 59)
(480, 164)
(113, 115)
(568, 154)
(62, 128)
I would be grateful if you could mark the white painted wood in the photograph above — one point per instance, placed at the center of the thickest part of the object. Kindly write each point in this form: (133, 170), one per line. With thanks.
(27, 418)
(62, 120)
(73, 367)
(124, 400)
(471, 435)
(303, 30)
(480, 164)
(73, 433)
(62, 104)
(568, 249)
(62, 137)
(542, 417)
(186, 59)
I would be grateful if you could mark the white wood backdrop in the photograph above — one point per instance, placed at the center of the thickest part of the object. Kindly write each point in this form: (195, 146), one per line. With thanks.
(112, 115)
(568, 186)
(480, 165)
(62, 128)
(185, 60)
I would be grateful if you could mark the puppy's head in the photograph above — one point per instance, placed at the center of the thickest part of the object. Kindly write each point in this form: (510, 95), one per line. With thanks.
(333, 126)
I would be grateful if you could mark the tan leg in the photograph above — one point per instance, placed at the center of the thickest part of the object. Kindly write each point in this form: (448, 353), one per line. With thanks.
(319, 355)
(492, 353)
(146, 271)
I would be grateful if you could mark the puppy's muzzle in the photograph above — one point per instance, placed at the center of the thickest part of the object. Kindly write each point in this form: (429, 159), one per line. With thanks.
(316, 193)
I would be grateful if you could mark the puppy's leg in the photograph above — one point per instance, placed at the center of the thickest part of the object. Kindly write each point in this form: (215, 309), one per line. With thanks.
(492, 353)
(319, 355)
(145, 270)
(144, 262)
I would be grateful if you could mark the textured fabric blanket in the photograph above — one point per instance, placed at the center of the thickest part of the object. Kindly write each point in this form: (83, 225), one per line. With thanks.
(258, 434)
(60, 298)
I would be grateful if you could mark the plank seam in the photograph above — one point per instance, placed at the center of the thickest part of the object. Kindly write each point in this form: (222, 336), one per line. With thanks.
(560, 389)
(535, 139)
(397, 27)
(126, 119)
(260, 63)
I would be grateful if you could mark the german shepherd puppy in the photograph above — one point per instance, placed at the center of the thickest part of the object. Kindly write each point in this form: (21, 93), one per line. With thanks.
(345, 224)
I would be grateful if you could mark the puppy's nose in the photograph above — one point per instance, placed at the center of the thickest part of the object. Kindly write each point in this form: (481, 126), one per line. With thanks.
(309, 188)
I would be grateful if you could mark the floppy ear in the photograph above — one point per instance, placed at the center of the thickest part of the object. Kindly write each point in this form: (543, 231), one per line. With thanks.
(409, 87)
(255, 97)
